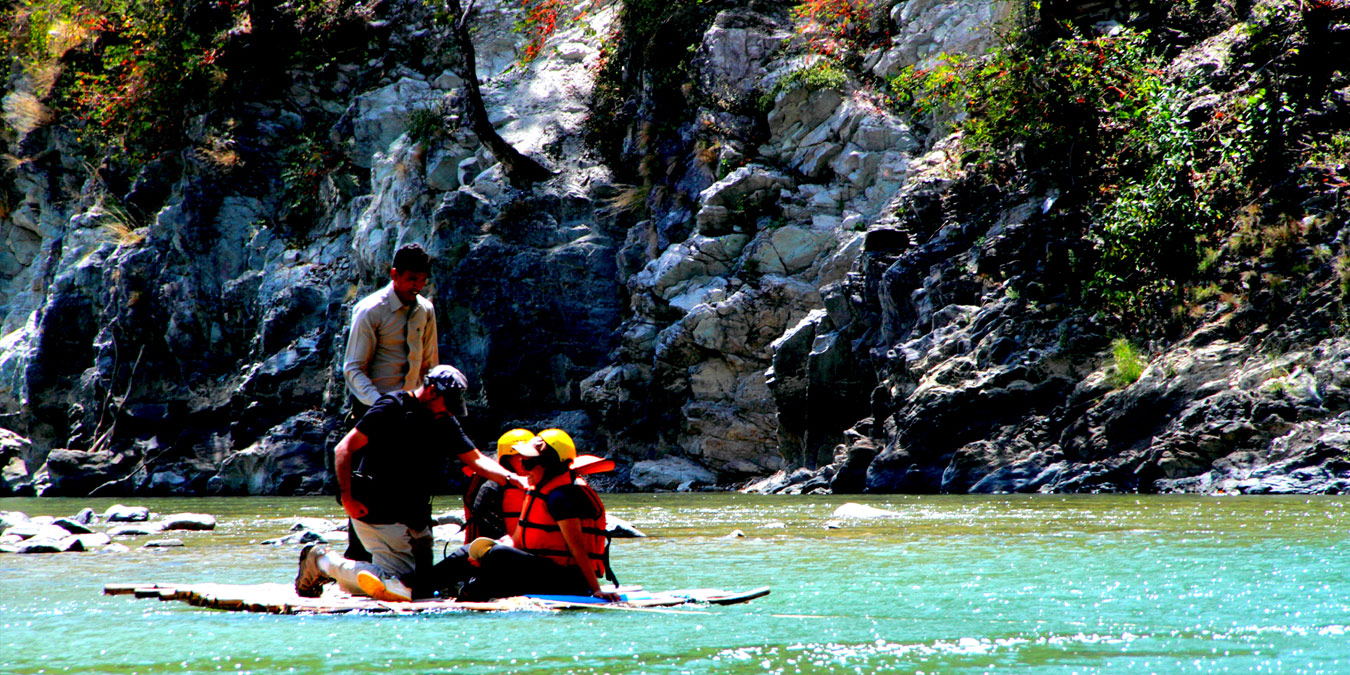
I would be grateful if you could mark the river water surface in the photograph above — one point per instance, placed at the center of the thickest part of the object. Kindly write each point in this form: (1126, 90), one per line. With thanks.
(1036, 584)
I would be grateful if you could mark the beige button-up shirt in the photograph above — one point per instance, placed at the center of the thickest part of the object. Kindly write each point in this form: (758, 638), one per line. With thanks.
(391, 345)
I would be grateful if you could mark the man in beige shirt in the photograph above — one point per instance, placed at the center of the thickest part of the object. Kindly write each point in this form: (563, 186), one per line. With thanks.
(392, 343)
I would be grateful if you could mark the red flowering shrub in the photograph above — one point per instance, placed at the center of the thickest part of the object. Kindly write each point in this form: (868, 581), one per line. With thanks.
(837, 28)
(538, 23)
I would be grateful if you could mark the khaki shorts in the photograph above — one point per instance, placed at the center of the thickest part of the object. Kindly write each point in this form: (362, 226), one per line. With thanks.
(391, 546)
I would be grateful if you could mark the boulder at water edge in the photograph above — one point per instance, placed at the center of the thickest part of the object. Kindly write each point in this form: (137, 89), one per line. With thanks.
(117, 513)
(190, 521)
(853, 510)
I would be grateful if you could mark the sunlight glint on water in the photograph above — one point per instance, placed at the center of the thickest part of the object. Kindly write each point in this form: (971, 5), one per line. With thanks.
(953, 583)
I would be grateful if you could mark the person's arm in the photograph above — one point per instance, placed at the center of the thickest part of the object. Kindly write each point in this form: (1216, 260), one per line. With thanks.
(489, 468)
(571, 532)
(360, 349)
(342, 465)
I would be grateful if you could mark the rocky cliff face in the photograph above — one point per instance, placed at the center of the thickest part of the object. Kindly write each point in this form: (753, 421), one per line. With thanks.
(748, 273)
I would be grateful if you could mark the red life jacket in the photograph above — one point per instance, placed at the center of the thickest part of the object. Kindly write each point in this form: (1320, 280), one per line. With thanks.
(537, 532)
(513, 501)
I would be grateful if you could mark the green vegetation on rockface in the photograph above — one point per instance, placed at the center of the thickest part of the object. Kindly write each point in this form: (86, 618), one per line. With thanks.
(119, 85)
(118, 73)
(1185, 185)
(643, 68)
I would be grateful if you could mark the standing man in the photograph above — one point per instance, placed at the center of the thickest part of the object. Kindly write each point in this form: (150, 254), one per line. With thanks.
(392, 342)
(388, 468)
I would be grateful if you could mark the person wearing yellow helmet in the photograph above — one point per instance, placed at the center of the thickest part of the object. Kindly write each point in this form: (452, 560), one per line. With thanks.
(491, 510)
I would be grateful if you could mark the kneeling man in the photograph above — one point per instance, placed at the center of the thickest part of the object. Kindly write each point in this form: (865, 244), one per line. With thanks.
(388, 468)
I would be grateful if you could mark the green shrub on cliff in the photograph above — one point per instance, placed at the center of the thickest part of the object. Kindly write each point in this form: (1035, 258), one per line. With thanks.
(1146, 236)
(1127, 364)
(643, 68)
(1096, 111)
(1149, 171)
(819, 75)
(119, 73)
(125, 77)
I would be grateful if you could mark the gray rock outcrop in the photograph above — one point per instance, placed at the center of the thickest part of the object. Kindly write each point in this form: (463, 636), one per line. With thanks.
(747, 271)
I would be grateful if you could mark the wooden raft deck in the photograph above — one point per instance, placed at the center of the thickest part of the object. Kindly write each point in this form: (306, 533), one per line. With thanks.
(281, 599)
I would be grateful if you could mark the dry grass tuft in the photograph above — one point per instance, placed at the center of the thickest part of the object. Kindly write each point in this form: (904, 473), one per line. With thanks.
(24, 112)
(629, 199)
(119, 225)
(64, 36)
(11, 162)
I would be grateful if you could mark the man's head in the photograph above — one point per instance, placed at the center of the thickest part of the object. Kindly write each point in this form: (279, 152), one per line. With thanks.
(409, 272)
(448, 383)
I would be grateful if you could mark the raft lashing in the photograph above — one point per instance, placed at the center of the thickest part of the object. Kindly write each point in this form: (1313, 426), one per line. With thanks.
(282, 599)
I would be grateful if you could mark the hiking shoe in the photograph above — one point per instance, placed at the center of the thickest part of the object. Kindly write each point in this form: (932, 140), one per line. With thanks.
(388, 590)
(310, 579)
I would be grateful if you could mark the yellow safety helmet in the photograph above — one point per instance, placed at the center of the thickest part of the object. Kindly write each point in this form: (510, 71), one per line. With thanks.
(510, 438)
(561, 443)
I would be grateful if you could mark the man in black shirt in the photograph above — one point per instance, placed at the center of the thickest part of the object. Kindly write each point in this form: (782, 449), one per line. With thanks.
(387, 468)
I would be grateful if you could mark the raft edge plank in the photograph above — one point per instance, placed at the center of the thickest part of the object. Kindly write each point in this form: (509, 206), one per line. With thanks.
(275, 598)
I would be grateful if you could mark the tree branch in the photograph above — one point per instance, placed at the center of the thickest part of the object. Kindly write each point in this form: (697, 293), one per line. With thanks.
(520, 169)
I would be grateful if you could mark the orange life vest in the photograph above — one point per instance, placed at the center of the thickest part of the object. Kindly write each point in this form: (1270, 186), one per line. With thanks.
(537, 532)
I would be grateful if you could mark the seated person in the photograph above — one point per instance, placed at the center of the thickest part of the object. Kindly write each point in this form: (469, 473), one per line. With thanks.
(491, 510)
(560, 546)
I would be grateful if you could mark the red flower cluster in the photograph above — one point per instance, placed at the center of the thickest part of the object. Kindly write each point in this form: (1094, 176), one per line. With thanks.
(541, 19)
(835, 25)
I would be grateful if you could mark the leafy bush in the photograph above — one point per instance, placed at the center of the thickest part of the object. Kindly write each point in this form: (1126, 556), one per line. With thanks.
(309, 165)
(124, 76)
(819, 75)
(645, 65)
(1146, 237)
(127, 69)
(1096, 115)
(427, 124)
(923, 92)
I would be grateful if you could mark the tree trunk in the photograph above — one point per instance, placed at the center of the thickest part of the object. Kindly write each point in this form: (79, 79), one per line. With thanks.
(520, 169)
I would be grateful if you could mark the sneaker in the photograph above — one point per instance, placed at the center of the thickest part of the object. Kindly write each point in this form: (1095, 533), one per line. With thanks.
(310, 579)
(388, 590)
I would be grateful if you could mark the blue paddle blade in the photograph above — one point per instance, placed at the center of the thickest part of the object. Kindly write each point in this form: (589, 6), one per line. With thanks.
(578, 599)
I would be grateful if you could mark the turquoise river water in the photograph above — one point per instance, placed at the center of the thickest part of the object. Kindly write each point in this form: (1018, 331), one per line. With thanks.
(1027, 584)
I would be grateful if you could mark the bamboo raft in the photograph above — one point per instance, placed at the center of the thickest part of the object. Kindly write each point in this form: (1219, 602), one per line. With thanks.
(281, 599)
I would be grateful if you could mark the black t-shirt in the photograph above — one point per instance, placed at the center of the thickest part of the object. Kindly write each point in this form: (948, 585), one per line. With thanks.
(569, 501)
(406, 458)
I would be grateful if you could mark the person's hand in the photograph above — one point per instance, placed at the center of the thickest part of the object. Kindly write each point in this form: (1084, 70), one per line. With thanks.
(354, 508)
(607, 597)
(517, 480)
